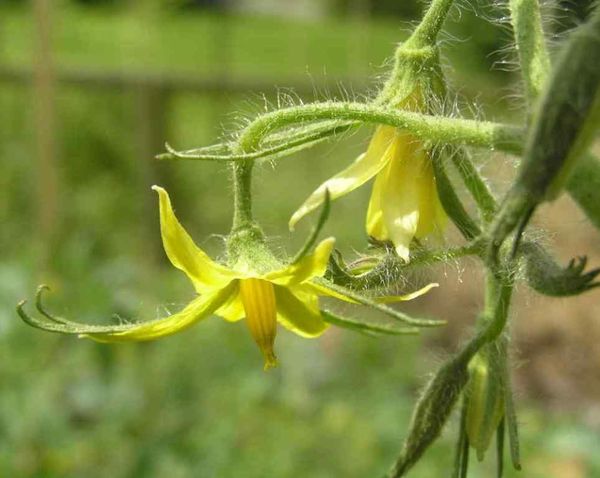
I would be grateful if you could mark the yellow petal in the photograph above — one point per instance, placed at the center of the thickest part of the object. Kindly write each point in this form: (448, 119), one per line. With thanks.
(311, 265)
(359, 172)
(299, 312)
(258, 298)
(401, 192)
(200, 308)
(320, 289)
(375, 224)
(432, 218)
(402, 298)
(184, 254)
(233, 309)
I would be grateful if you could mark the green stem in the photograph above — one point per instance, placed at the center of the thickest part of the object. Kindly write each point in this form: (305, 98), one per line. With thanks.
(567, 118)
(431, 24)
(444, 389)
(391, 269)
(526, 20)
(480, 191)
(498, 294)
(583, 185)
(242, 195)
(436, 128)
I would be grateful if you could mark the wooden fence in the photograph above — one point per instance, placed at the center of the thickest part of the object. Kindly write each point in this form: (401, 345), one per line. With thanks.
(153, 92)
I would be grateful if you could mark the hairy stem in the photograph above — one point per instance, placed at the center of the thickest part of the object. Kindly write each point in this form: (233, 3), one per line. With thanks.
(242, 194)
(526, 20)
(583, 184)
(436, 128)
(431, 24)
(486, 203)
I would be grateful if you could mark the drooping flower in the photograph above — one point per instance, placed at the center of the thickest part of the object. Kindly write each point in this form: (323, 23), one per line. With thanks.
(404, 203)
(286, 294)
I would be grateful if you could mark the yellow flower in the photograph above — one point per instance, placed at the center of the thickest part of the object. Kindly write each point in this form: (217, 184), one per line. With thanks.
(404, 203)
(286, 294)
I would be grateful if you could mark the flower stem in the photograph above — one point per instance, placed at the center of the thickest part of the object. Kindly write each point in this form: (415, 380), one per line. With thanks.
(526, 20)
(436, 128)
(486, 203)
(426, 33)
(242, 195)
(535, 66)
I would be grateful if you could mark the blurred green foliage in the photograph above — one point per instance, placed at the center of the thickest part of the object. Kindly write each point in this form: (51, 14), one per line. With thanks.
(197, 404)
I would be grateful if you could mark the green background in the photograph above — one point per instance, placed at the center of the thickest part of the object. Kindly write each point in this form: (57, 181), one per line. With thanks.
(198, 404)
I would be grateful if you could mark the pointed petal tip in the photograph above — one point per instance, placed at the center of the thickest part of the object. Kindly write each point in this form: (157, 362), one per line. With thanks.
(156, 188)
(294, 220)
(327, 242)
(270, 362)
(403, 252)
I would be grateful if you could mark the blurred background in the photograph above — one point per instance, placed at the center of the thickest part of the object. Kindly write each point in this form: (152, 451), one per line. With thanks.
(89, 92)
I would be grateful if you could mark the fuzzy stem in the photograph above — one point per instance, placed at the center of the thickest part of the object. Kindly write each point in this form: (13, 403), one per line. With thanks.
(476, 185)
(535, 66)
(498, 295)
(436, 128)
(567, 118)
(444, 389)
(526, 20)
(427, 31)
(242, 195)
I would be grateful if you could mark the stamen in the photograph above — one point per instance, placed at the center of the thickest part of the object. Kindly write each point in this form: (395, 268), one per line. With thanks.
(258, 297)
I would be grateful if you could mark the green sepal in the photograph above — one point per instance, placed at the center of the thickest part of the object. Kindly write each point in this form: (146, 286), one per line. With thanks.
(368, 328)
(547, 277)
(314, 234)
(449, 199)
(432, 411)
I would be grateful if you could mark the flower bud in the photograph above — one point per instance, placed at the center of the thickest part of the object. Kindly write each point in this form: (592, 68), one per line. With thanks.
(484, 401)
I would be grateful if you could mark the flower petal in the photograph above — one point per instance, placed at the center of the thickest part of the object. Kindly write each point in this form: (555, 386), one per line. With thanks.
(401, 196)
(258, 297)
(198, 309)
(183, 252)
(402, 298)
(359, 172)
(311, 265)
(233, 309)
(299, 312)
(320, 288)
(375, 224)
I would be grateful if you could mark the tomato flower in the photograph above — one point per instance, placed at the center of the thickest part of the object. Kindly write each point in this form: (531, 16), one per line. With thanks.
(404, 203)
(288, 294)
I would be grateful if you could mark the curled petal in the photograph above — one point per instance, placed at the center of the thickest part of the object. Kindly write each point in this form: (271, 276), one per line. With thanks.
(310, 266)
(359, 172)
(198, 309)
(299, 312)
(183, 253)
